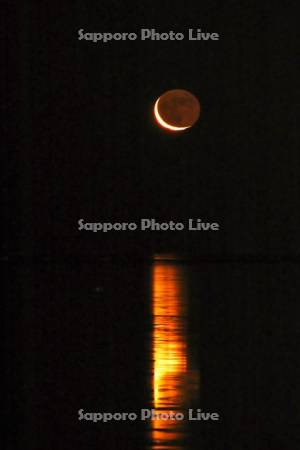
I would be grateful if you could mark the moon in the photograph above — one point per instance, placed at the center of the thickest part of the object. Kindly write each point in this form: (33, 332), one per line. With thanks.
(177, 110)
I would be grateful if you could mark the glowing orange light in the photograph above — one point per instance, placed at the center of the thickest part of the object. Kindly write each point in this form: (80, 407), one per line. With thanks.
(173, 380)
(163, 123)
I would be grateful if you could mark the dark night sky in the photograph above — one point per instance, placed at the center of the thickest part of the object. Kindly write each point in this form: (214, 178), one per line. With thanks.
(88, 146)
(81, 142)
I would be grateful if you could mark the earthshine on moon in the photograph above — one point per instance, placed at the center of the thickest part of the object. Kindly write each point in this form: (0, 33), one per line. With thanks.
(177, 110)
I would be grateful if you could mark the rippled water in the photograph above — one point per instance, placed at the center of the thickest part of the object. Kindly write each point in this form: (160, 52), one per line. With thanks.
(166, 335)
(174, 381)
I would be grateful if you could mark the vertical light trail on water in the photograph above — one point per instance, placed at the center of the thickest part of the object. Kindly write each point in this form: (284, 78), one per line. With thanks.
(171, 376)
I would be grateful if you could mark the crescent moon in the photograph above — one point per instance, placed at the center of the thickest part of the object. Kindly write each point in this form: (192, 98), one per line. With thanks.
(162, 122)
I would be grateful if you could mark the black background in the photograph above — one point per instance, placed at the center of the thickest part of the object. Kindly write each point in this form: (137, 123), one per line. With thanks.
(81, 142)
(88, 146)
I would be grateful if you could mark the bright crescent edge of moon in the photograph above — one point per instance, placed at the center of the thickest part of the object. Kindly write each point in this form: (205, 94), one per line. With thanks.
(162, 122)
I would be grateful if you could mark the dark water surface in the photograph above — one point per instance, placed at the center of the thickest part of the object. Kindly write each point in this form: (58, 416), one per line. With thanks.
(164, 335)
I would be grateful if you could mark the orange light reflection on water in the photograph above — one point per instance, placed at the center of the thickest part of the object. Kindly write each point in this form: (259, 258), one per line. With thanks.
(171, 375)
(169, 343)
